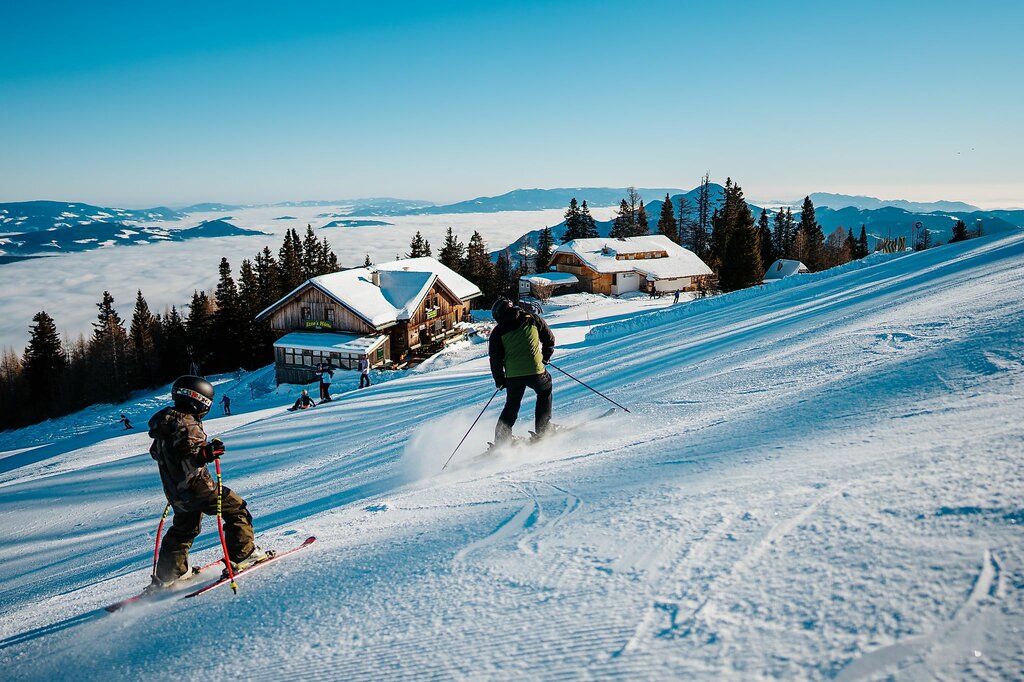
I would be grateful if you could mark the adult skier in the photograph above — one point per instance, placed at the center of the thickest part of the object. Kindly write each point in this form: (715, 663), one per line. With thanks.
(326, 375)
(303, 402)
(364, 371)
(182, 452)
(126, 422)
(520, 345)
(225, 400)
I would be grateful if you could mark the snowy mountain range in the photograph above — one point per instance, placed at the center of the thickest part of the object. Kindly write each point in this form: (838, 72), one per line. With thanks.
(37, 228)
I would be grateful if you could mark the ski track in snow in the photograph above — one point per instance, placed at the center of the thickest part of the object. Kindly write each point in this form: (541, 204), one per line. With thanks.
(820, 479)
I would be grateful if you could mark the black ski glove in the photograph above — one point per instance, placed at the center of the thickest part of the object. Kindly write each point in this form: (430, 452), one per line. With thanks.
(213, 450)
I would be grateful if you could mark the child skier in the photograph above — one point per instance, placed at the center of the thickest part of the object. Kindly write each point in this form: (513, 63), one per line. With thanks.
(182, 452)
(520, 345)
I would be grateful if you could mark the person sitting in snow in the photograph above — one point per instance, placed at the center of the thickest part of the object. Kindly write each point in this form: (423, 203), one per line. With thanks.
(181, 451)
(519, 347)
(303, 402)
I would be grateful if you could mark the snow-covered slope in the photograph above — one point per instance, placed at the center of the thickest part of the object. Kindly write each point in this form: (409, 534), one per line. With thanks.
(820, 478)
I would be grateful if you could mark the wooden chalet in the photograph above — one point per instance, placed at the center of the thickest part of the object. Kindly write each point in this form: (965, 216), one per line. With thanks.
(383, 313)
(612, 267)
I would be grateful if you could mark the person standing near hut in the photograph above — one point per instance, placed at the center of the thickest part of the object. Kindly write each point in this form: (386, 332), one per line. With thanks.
(326, 375)
(364, 371)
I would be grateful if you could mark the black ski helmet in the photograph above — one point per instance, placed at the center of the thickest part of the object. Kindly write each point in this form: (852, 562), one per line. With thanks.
(192, 394)
(502, 309)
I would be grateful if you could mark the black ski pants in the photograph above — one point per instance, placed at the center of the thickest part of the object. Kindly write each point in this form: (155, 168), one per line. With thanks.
(238, 534)
(515, 388)
(325, 391)
(364, 380)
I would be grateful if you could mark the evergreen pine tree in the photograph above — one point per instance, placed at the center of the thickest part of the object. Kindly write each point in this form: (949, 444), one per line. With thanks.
(174, 360)
(226, 321)
(667, 224)
(453, 253)
(545, 249)
(959, 232)
(642, 224)
(199, 328)
(588, 227)
(813, 253)
(328, 261)
(268, 278)
(480, 269)
(289, 262)
(312, 254)
(367, 263)
(780, 240)
(145, 365)
(862, 243)
(573, 222)
(850, 246)
(741, 254)
(42, 370)
(418, 247)
(765, 237)
(251, 350)
(108, 353)
(622, 226)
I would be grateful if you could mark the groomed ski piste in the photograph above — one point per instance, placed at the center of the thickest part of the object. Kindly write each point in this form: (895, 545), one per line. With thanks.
(821, 478)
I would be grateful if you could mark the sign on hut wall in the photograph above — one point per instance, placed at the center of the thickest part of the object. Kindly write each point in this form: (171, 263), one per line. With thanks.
(318, 324)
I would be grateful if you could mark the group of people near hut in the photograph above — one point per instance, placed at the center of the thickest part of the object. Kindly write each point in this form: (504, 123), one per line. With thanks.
(325, 375)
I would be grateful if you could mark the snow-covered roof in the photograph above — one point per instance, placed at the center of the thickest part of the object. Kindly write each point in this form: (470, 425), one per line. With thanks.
(346, 344)
(548, 278)
(459, 285)
(403, 285)
(599, 254)
(784, 268)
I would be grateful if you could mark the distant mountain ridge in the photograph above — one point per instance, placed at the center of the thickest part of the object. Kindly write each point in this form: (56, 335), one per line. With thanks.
(538, 200)
(840, 201)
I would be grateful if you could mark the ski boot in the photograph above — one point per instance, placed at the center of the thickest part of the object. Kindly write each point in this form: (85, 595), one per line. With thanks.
(258, 555)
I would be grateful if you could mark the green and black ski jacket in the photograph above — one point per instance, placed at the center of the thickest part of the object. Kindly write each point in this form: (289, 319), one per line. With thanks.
(519, 347)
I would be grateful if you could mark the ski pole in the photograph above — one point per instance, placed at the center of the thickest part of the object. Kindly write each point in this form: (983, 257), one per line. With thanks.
(470, 428)
(586, 386)
(159, 529)
(220, 530)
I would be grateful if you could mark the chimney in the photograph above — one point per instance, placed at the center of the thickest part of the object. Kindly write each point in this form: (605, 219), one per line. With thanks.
(375, 278)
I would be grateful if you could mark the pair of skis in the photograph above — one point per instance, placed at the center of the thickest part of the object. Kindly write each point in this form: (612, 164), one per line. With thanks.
(223, 580)
(534, 439)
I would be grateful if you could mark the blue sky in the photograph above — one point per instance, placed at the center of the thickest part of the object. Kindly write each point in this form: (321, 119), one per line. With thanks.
(125, 104)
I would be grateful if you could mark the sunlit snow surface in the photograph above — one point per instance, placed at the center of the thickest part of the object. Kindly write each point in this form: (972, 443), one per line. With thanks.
(821, 478)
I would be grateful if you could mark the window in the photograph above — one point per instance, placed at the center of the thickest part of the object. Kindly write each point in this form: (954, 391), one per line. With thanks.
(307, 313)
(329, 313)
